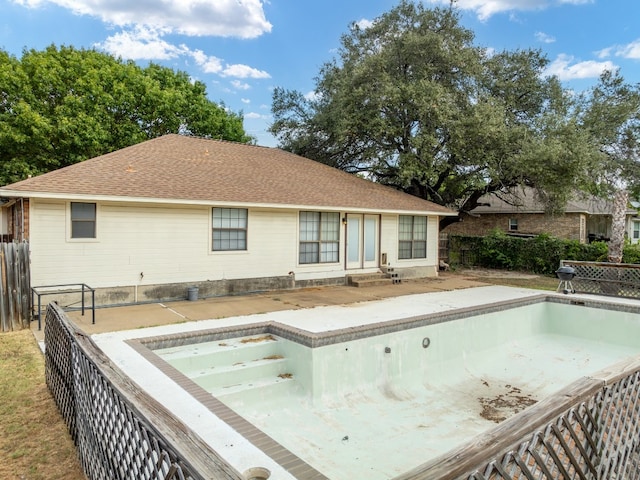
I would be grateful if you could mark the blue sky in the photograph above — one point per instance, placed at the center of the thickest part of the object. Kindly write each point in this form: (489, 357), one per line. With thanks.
(242, 49)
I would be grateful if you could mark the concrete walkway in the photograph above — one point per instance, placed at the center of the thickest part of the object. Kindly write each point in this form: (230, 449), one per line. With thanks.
(156, 314)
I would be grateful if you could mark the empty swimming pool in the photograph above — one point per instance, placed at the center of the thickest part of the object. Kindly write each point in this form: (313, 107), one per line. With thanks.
(377, 400)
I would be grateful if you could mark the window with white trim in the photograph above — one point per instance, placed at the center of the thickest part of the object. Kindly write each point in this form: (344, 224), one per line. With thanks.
(83, 220)
(412, 236)
(513, 224)
(229, 229)
(319, 237)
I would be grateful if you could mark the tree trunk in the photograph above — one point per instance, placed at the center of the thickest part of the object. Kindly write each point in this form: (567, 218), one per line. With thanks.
(618, 223)
(446, 221)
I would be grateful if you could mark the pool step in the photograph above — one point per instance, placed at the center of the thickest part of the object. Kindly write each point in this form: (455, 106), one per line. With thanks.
(235, 369)
(240, 372)
(220, 353)
(262, 388)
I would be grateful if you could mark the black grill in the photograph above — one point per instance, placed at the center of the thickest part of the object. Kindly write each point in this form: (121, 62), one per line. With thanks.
(566, 273)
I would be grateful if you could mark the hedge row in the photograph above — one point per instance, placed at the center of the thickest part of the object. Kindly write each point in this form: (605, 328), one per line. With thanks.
(541, 254)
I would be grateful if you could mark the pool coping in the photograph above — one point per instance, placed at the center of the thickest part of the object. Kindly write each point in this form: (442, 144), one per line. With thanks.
(293, 464)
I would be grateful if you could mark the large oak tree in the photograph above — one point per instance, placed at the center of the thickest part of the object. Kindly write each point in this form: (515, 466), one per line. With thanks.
(412, 102)
(64, 105)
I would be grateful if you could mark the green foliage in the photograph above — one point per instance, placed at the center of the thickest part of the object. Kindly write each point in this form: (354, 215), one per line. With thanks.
(62, 105)
(412, 101)
(541, 254)
(631, 253)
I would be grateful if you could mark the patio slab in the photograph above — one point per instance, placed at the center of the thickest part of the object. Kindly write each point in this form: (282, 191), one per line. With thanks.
(130, 317)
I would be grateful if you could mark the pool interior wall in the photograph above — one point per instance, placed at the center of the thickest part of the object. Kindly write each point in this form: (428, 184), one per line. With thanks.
(365, 402)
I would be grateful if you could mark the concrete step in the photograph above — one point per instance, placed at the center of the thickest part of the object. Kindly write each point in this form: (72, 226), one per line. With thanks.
(262, 388)
(372, 282)
(220, 353)
(236, 368)
(240, 373)
(365, 276)
(372, 279)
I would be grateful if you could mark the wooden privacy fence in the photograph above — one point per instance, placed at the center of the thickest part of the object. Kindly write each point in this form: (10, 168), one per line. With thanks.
(15, 295)
(120, 432)
(602, 278)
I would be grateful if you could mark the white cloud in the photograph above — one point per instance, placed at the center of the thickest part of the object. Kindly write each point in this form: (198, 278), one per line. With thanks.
(564, 70)
(544, 38)
(224, 18)
(209, 64)
(312, 96)
(140, 44)
(238, 85)
(257, 116)
(630, 50)
(486, 8)
(245, 100)
(363, 23)
(243, 71)
(144, 43)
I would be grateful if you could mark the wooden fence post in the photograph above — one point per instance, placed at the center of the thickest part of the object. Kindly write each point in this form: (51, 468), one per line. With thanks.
(15, 286)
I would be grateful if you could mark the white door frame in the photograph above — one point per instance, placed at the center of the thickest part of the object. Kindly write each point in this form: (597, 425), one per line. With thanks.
(362, 241)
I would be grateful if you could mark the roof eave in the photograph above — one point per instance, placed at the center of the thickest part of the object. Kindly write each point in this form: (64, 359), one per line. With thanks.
(173, 201)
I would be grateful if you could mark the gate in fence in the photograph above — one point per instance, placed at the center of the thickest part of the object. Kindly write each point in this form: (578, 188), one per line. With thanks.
(15, 288)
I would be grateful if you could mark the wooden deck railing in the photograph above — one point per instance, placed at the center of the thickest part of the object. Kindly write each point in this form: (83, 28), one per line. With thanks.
(589, 431)
(120, 432)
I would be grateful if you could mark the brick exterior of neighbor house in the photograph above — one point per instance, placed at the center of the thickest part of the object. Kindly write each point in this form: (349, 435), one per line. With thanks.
(566, 226)
(518, 212)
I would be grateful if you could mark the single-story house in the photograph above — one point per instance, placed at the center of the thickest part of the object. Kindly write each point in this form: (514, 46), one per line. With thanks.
(518, 213)
(151, 221)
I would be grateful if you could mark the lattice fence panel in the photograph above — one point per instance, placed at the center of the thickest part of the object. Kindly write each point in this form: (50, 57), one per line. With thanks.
(597, 440)
(619, 429)
(59, 370)
(619, 280)
(564, 449)
(114, 441)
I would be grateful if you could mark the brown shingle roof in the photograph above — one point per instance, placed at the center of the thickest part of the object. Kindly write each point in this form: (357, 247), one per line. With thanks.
(523, 200)
(180, 168)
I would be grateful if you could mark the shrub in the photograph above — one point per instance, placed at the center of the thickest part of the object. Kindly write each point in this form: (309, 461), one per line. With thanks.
(541, 254)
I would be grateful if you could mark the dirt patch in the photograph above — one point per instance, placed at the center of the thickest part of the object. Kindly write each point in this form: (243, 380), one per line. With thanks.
(264, 338)
(500, 406)
(488, 273)
(510, 278)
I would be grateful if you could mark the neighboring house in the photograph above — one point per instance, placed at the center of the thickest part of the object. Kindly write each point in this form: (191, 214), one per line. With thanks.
(585, 219)
(147, 222)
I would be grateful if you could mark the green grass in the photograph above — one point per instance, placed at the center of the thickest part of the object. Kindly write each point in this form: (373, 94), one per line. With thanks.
(34, 441)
